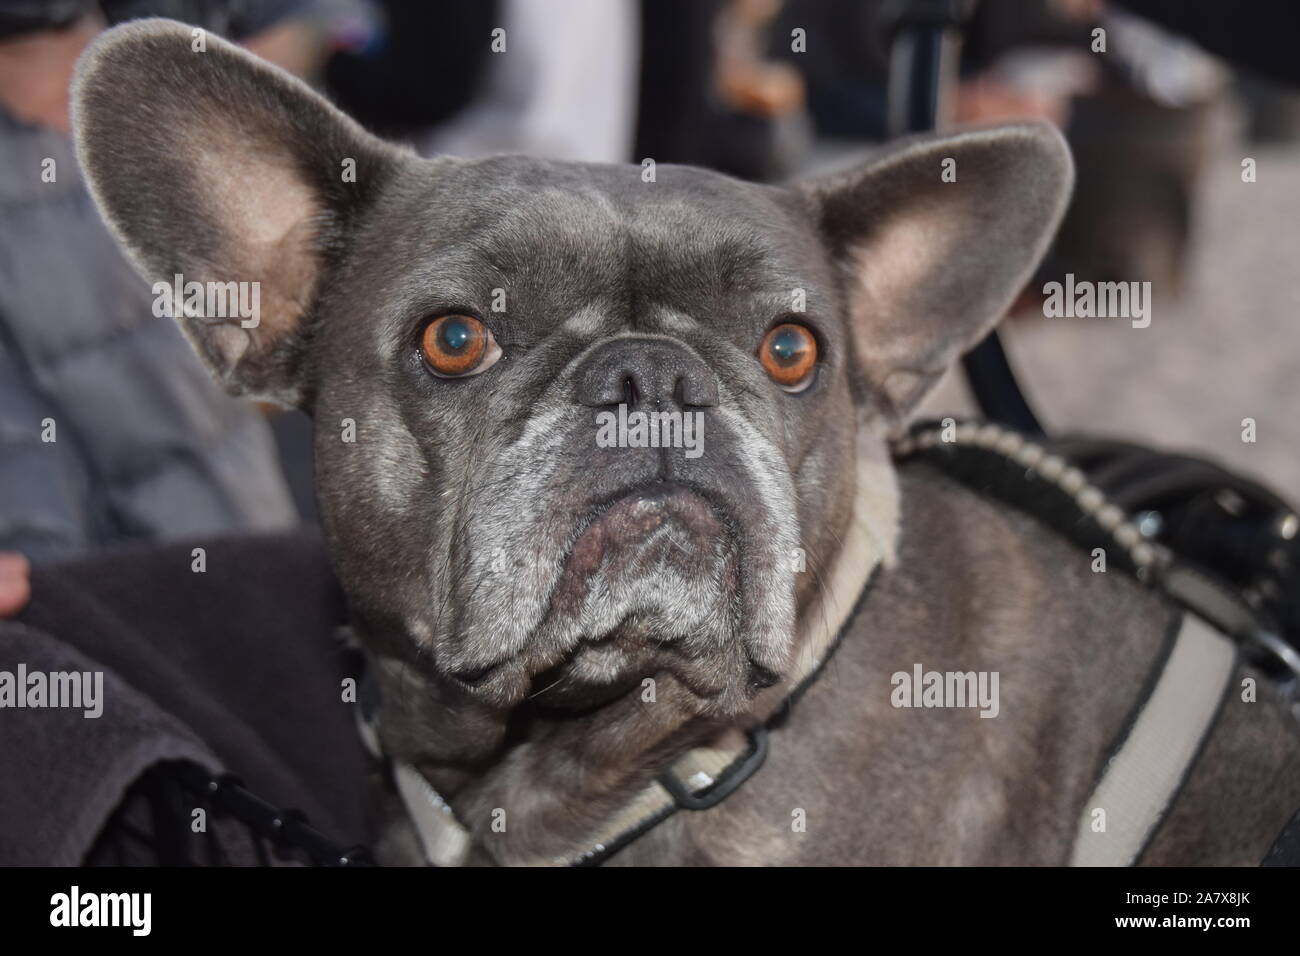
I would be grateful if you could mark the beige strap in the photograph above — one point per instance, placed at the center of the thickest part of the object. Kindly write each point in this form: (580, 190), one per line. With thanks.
(442, 838)
(697, 770)
(1144, 775)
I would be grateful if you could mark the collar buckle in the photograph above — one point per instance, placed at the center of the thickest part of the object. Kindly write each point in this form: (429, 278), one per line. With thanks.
(730, 780)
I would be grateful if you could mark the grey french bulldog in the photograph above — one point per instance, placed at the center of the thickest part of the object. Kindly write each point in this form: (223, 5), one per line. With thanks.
(554, 620)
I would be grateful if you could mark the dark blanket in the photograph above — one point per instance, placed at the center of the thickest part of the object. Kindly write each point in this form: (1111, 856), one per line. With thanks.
(238, 667)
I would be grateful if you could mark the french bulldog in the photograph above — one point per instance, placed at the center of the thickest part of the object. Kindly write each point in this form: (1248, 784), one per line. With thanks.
(555, 610)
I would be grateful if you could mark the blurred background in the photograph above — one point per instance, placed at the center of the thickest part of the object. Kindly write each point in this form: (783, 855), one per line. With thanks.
(1163, 102)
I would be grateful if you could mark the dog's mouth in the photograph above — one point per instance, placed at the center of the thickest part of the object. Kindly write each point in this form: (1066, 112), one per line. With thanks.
(657, 529)
(650, 584)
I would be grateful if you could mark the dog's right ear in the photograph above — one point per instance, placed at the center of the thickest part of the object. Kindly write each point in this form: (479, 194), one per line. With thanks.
(931, 261)
(216, 166)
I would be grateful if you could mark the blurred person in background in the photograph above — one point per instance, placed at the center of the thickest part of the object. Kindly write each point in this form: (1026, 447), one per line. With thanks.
(553, 78)
(1139, 79)
(711, 95)
(562, 86)
(676, 81)
(110, 429)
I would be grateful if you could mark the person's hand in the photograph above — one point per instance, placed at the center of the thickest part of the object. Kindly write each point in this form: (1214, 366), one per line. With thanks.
(985, 99)
(15, 583)
(36, 71)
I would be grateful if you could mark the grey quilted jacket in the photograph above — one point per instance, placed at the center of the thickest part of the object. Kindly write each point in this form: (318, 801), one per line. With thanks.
(144, 444)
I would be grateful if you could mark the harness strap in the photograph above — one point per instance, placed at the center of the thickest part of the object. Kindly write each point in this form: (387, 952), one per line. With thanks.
(1148, 768)
(443, 839)
(1157, 753)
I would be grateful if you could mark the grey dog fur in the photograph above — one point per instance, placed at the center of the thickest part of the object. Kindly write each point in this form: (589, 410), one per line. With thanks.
(452, 517)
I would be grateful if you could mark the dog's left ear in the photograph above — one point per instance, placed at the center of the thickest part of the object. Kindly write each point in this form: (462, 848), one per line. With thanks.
(209, 163)
(935, 237)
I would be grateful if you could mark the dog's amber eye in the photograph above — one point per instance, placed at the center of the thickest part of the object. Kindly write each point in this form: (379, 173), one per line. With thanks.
(789, 354)
(458, 345)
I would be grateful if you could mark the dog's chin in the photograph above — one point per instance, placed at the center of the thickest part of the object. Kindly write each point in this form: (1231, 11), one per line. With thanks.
(650, 587)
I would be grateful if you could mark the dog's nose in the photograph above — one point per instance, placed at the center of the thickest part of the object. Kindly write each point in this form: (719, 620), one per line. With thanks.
(634, 369)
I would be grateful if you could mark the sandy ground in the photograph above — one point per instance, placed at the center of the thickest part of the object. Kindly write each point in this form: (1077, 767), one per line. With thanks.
(1229, 350)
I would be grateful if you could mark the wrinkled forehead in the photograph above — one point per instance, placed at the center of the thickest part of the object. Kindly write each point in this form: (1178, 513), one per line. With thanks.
(557, 233)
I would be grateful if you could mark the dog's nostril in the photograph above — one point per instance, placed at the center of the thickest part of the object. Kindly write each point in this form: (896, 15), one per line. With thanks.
(761, 677)
(633, 370)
